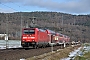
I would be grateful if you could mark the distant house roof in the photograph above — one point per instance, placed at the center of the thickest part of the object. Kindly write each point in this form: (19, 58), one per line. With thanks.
(1, 35)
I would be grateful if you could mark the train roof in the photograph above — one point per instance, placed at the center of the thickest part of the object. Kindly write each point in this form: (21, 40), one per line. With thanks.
(50, 31)
(31, 28)
(42, 30)
(35, 28)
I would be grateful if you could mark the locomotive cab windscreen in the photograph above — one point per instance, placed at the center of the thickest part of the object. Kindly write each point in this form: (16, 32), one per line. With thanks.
(28, 37)
(29, 31)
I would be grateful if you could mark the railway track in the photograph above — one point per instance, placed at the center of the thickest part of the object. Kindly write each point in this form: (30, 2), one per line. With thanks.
(18, 53)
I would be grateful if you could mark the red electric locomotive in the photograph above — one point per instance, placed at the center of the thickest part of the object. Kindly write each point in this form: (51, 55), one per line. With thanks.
(34, 37)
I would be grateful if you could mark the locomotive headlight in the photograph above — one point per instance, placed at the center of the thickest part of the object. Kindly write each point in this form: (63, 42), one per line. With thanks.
(33, 40)
(24, 37)
(23, 40)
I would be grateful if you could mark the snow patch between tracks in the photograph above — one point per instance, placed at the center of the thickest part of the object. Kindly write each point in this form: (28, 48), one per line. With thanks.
(72, 54)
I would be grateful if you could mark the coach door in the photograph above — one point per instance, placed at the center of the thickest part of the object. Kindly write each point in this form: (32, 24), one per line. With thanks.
(51, 38)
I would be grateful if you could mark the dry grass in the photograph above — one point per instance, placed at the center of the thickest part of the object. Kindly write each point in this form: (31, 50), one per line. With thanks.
(56, 55)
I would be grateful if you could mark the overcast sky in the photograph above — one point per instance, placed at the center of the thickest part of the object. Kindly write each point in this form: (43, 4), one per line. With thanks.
(64, 6)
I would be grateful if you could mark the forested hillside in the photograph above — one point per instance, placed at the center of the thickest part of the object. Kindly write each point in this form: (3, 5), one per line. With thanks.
(75, 26)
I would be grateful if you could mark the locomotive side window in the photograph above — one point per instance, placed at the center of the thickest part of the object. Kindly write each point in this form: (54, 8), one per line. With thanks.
(29, 31)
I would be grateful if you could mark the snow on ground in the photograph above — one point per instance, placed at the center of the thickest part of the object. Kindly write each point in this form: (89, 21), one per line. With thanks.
(10, 44)
(72, 54)
(4, 47)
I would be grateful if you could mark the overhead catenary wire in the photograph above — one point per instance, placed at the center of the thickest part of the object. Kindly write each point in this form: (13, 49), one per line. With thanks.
(14, 10)
(8, 6)
(20, 6)
(17, 11)
(13, 7)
